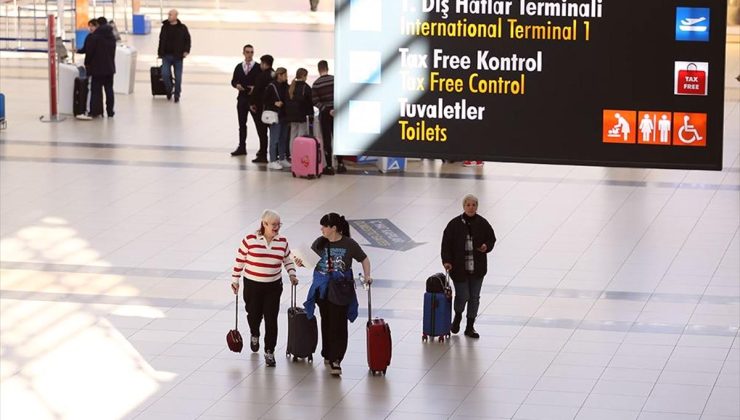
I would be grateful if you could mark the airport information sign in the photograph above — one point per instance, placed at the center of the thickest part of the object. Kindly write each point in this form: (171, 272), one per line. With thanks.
(596, 82)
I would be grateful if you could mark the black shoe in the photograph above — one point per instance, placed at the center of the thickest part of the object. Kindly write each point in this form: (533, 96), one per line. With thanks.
(455, 328)
(335, 369)
(177, 98)
(259, 159)
(270, 359)
(341, 169)
(328, 171)
(111, 114)
(169, 96)
(470, 329)
(254, 343)
(239, 152)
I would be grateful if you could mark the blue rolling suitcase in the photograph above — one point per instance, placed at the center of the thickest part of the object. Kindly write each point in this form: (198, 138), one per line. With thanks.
(437, 308)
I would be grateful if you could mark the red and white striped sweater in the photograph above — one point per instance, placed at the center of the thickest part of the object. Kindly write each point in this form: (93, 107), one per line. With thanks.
(261, 262)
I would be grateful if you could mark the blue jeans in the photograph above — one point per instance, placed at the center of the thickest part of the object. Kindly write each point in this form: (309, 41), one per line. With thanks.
(169, 61)
(468, 292)
(279, 136)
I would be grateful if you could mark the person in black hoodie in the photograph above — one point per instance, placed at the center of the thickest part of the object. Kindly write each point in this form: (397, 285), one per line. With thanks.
(101, 54)
(243, 80)
(257, 105)
(276, 93)
(466, 241)
(299, 108)
(174, 46)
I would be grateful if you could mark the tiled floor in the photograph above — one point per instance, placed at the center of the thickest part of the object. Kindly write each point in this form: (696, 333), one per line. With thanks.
(613, 293)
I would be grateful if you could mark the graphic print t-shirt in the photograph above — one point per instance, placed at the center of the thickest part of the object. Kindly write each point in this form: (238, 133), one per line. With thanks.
(343, 252)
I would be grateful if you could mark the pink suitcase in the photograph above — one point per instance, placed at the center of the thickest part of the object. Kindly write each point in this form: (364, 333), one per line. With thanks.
(306, 157)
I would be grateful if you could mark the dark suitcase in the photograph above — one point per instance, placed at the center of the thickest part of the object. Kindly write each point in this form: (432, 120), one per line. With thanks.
(303, 333)
(158, 87)
(437, 311)
(379, 342)
(79, 101)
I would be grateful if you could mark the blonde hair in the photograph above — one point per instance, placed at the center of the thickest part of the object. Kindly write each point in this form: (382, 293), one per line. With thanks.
(267, 217)
(469, 197)
(300, 74)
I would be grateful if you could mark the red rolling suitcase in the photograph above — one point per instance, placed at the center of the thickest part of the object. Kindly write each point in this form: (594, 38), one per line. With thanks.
(379, 345)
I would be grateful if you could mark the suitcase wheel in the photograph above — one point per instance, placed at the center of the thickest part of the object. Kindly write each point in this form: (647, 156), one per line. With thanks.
(384, 371)
(424, 337)
(295, 359)
(311, 176)
(293, 174)
(442, 339)
(310, 359)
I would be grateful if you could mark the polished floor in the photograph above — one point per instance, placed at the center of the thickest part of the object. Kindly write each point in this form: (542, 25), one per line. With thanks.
(612, 293)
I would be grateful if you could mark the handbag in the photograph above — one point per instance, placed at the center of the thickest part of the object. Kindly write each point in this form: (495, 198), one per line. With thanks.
(234, 337)
(270, 117)
(341, 287)
(341, 290)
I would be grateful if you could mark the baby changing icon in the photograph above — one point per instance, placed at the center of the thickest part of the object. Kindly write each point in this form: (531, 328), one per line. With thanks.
(618, 126)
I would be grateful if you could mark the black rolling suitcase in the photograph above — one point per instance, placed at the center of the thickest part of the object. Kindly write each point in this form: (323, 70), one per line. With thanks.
(158, 87)
(303, 333)
(79, 101)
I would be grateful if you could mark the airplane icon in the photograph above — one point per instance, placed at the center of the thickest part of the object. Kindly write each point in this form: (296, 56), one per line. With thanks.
(690, 24)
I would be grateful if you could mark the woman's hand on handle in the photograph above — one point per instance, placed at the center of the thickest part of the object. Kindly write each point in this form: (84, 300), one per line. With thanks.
(294, 280)
(235, 287)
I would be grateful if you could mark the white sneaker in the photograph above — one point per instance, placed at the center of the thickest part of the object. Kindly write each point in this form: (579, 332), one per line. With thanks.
(275, 165)
(285, 164)
(83, 117)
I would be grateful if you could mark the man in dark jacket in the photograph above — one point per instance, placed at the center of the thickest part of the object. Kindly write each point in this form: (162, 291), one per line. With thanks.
(243, 80)
(466, 241)
(256, 100)
(174, 46)
(92, 25)
(101, 54)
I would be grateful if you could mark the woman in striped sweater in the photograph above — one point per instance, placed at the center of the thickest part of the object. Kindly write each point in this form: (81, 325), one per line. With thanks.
(259, 259)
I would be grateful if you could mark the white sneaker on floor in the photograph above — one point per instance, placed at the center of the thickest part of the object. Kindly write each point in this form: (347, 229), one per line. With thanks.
(275, 165)
(83, 117)
(285, 164)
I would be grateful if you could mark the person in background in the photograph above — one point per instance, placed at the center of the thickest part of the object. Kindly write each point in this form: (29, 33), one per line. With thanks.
(174, 46)
(323, 98)
(92, 25)
(466, 241)
(276, 93)
(299, 108)
(101, 52)
(243, 80)
(259, 259)
(257, 105)
(336, 251)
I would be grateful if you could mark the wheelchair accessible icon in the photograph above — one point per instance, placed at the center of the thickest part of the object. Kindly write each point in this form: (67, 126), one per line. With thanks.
(690, 129)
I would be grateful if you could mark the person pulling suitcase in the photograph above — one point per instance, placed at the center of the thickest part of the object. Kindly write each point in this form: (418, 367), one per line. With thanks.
(260, 258)
(333, 287)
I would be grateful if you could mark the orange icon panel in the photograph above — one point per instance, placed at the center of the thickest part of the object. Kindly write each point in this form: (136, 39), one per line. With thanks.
(654, 127)
(689, 129)
(619, 126)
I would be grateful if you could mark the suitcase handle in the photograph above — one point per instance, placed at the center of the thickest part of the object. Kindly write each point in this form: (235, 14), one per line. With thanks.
(293, 293)
(236, 313)
(369, 299)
